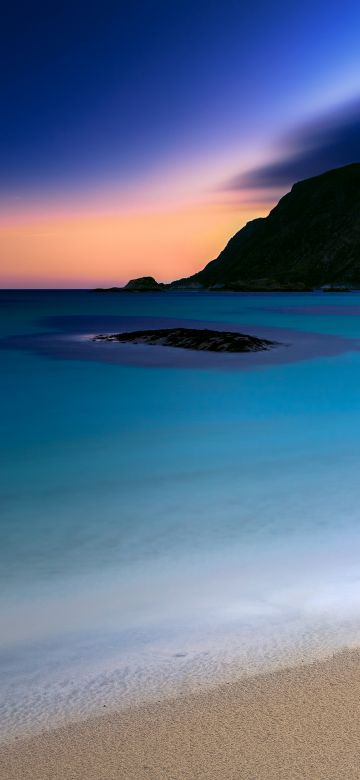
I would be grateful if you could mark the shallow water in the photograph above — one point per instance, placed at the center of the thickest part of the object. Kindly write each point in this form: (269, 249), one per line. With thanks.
(161, 519)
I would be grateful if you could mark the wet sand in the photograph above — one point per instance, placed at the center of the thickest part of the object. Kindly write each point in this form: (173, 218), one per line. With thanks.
(301, 723)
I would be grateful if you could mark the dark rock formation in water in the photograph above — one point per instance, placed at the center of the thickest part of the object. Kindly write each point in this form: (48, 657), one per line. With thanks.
(108, 289)
(192, 338)
(143, 284)
(310, 239)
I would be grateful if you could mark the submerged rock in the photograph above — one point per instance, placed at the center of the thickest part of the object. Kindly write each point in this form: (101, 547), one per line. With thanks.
(192, 338)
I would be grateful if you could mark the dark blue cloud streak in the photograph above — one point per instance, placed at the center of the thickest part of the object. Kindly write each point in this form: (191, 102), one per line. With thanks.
(330, 142)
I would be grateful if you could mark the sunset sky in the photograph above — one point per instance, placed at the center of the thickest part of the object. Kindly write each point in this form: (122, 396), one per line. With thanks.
(137, 137)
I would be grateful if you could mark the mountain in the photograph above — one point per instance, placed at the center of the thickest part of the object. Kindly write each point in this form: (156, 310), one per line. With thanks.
(310, 239)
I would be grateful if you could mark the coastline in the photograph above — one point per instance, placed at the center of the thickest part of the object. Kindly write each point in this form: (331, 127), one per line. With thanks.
(291, 723)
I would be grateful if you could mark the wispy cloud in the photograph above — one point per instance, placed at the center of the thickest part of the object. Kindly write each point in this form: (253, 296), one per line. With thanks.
(328, 142)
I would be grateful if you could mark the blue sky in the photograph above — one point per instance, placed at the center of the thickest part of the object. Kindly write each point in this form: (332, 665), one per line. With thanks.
(116, 97)
(108, 91)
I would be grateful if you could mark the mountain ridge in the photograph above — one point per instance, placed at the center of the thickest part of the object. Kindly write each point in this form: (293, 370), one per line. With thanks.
(310, 238)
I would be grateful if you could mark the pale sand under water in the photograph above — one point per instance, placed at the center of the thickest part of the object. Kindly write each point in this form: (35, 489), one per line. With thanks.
(302, 722)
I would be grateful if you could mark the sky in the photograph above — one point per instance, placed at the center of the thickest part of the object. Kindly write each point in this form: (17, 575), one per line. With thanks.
(136, 137)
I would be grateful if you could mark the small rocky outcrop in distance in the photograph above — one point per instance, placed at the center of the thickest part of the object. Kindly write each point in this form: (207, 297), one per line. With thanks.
(108, 289)
(192, 338)
(143, 284)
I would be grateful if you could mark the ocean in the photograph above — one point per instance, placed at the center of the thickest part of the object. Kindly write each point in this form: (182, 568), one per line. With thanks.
(171, 519)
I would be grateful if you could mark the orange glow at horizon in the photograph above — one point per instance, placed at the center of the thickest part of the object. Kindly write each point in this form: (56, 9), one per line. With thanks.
(107, 249)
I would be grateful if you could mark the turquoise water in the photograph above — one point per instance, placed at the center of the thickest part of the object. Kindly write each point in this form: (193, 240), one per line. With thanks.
(161, 523)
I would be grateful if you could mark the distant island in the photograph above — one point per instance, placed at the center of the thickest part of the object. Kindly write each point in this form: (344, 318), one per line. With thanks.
(311, 239)
(143, 284)
(192, 338)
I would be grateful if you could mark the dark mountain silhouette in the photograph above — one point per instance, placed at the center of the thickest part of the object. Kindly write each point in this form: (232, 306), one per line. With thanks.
(142, 284)
(310, 239)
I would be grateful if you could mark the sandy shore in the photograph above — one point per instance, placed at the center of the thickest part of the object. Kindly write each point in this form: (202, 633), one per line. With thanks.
(294, 723)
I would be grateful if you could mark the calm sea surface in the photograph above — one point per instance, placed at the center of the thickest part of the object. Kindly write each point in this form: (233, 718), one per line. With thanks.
(163, 523)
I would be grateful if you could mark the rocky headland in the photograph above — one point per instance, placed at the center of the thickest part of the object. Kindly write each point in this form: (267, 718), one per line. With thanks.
(309, 240)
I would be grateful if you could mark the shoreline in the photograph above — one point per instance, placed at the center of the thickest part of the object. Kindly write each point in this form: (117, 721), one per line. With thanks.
(294, 722)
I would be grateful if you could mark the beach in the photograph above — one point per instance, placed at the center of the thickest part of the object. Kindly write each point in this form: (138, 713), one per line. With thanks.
(300, 722)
